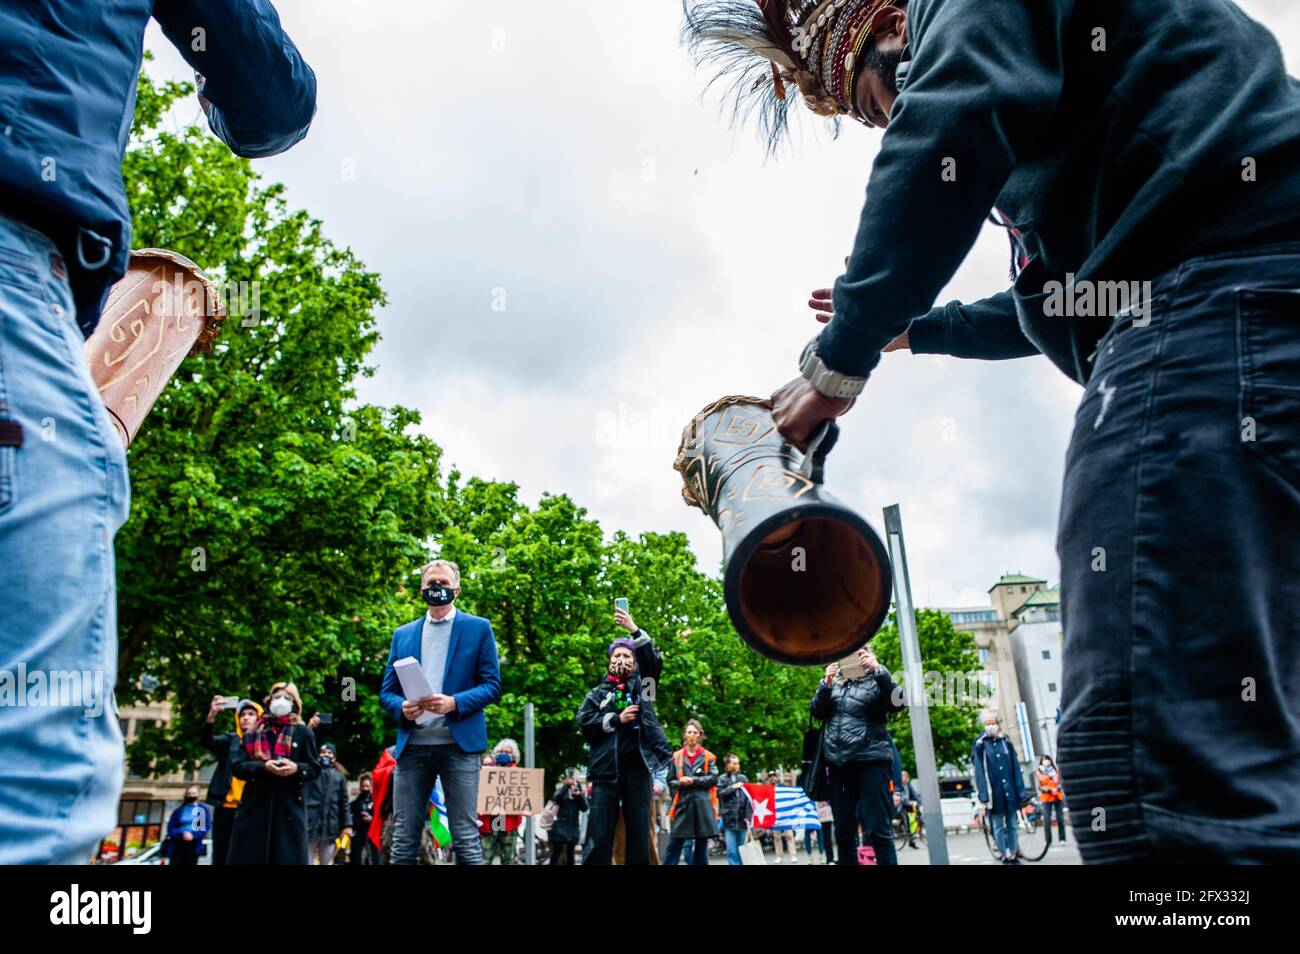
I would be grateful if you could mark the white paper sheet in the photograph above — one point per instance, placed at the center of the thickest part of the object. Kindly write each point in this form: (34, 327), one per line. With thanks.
(415, 684)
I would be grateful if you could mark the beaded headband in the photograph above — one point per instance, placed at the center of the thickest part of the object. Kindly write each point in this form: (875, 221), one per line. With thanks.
(814, 44)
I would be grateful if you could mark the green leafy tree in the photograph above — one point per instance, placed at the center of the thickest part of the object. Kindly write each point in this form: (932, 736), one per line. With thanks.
(272, 513)
(951, 657)
(547, 578)
(277, 523)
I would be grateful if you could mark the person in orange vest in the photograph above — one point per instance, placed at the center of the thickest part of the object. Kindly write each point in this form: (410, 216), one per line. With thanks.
(694, 812)
(1050, 794)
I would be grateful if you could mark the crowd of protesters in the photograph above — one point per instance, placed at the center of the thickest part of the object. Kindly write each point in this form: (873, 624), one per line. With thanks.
(277, 796)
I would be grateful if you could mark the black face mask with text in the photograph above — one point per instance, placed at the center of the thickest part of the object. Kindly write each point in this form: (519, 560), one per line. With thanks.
(435, 594)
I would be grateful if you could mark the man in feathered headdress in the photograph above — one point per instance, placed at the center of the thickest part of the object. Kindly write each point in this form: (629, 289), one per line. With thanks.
(1144, 156)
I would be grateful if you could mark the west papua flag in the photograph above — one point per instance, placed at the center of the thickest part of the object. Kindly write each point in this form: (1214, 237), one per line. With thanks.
(762, 805)
(783, 807)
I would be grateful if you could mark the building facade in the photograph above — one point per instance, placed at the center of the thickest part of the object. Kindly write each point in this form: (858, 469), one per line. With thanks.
(1036, 645)
(992, 626)
(146, 801)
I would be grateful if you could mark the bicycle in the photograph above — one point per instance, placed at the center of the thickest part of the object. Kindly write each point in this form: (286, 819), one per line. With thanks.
(908, 823)
(1031, 832)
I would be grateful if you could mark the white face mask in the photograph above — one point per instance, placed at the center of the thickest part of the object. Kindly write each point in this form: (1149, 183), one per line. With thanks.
(281, 706)
(990, 729)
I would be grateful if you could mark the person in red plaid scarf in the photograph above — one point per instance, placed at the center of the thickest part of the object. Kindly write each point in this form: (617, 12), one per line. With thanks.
(276, 759)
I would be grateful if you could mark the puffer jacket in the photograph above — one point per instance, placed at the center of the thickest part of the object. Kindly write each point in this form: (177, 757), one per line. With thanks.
(855, 712)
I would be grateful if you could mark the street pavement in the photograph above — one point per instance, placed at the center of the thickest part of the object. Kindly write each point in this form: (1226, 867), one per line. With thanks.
(964, 848)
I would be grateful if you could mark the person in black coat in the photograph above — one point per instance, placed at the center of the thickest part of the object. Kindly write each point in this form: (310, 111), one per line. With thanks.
(860, 755)
(329, 814)
(694, 812)
(224, 790)
(363, 813)
(572, 801)
(277, 758)
(629, 753)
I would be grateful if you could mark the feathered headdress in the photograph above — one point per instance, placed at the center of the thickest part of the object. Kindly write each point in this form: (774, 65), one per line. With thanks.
(765, 46)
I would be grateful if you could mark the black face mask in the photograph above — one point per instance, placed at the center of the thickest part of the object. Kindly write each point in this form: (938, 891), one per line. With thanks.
(191, 799)
(435, 594)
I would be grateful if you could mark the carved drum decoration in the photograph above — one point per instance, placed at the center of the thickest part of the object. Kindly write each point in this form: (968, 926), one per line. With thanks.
(162, 310)
(806, 579)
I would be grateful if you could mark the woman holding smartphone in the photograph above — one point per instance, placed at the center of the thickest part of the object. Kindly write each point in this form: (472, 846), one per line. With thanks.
(859, 754)
(277, 758)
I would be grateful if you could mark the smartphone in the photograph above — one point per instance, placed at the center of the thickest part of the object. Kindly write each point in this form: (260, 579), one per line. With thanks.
(229, 702)
(326, 718)
(621, 604)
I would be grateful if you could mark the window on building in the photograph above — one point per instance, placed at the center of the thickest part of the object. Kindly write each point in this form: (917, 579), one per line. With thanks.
(1047, 654)
(984, 654)
(1051, 687)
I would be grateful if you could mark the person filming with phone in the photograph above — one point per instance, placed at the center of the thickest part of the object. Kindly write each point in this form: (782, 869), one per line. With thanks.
(224, 790)
(630, 754)
(855, 703)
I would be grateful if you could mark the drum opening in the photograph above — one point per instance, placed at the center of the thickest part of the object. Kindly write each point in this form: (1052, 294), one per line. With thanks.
(813, 589)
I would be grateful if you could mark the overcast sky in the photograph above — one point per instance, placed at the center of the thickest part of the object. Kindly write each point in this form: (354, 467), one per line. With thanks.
(560, 160)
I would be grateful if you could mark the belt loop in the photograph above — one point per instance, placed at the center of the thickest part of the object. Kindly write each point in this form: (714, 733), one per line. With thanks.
(106, 244)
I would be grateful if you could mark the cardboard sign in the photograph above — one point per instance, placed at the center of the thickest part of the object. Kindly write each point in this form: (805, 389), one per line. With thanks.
(850, 668)
(511, 791)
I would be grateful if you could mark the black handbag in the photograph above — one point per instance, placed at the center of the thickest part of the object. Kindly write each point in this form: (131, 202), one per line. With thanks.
(815, 781)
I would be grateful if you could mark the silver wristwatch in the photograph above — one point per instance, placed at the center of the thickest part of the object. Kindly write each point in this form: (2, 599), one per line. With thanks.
(830, 383)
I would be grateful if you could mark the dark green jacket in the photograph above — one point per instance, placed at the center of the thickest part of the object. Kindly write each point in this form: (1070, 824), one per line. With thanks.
(1115, 135)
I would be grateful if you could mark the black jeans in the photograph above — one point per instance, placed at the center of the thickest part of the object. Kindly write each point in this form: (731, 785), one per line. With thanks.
(222, 821)
(1180, 574)
(698, 854)
(183, 852)
(860, 792)
(562, 849)
(632, 791)
(363, 850)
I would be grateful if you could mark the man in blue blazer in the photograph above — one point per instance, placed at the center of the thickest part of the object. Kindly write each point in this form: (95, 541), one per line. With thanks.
(458, 654)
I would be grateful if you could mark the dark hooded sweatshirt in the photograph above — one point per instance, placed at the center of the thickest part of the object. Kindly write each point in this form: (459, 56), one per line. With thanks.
(1118, 137)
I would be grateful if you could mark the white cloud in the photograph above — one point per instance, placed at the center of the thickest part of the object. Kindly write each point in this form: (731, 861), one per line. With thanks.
(651, 261)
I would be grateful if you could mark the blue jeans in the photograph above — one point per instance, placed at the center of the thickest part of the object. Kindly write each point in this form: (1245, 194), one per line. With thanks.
(734, 840)
(1006, 831)
(417, 772)
(1056, 808)
(1180, 720)
(63, 494)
